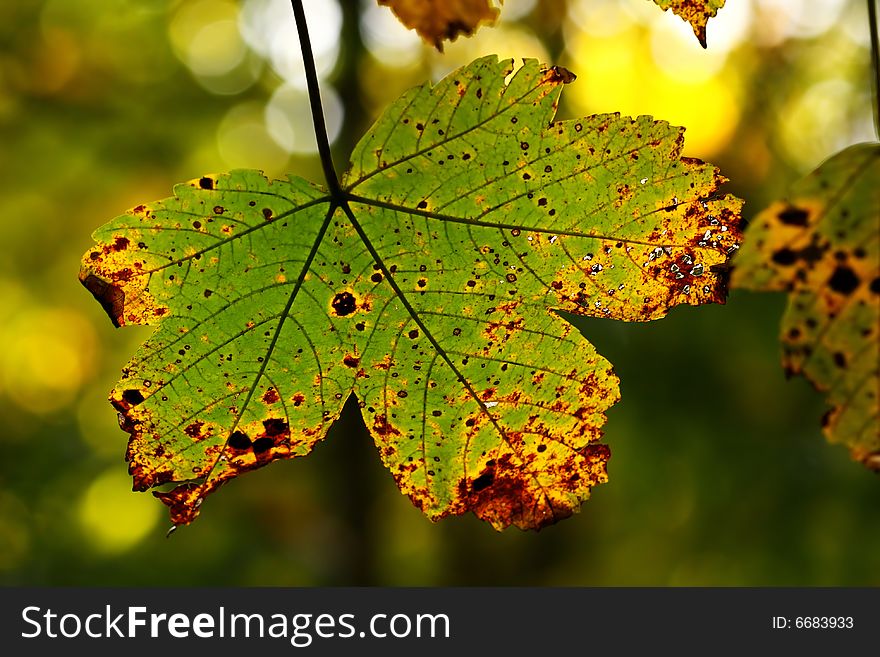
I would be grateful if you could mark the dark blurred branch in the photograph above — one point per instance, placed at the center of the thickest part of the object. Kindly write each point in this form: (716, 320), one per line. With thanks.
(547, 19)
(348, 80)
(359, 460)
(357, 463)
(315, 99)
(875, 62)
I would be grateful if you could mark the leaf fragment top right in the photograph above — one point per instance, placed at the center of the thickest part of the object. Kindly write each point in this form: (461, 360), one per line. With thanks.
(821, 246)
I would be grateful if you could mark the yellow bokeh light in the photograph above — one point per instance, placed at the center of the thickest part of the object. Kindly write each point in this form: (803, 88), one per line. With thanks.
(244, 141)
(507, 41)
(98, 422)
(216, 49)
(113, 517)
(808, 126)
(268, 27)
(58, 61)
(288, 118)
(48, 354)
(619, 74)
(205, 36)
(387, 39)
(194, 17)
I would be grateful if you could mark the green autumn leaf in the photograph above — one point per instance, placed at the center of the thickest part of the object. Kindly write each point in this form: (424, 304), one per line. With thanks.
(430, 289)
(821, 247)
(695, 12)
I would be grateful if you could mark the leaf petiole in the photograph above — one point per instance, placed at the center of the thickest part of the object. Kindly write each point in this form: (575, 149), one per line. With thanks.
(315, 101)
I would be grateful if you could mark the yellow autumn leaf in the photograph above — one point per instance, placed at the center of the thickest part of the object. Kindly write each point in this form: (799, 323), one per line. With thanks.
(695, 12)
(821, 247)
(437, 21)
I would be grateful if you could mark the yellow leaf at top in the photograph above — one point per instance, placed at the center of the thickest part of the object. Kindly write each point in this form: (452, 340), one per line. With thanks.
(695, 12)
(821, 245)
(442, 20)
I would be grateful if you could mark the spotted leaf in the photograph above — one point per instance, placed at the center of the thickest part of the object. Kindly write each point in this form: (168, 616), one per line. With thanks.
(821, 247)
(695, 12)
(437, 21)
(429, 288)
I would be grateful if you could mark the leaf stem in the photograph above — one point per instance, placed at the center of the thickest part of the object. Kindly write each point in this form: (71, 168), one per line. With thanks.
(875, 61)
(315, 100)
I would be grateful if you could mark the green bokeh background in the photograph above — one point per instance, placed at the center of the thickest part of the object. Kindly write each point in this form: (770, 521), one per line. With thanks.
(719, 474)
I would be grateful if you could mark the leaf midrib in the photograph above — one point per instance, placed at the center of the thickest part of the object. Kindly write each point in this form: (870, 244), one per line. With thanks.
(399, 293)
(319, 238)
(443, 141)
(505, 226)
(197, 254)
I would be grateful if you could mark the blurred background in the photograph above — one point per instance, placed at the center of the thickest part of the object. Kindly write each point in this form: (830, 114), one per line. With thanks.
(719, 474)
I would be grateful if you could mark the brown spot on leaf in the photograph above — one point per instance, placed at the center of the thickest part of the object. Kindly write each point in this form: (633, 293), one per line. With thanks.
(262, 445)
(843, 280)
(484, 480)
(270, 396)
(793, 216)
(343, 304)
(382, 427)
(784, 257)
(597, 452)
(275, 427)
(194, 429)
(813, 252)
(132, 397)
(239, 440)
